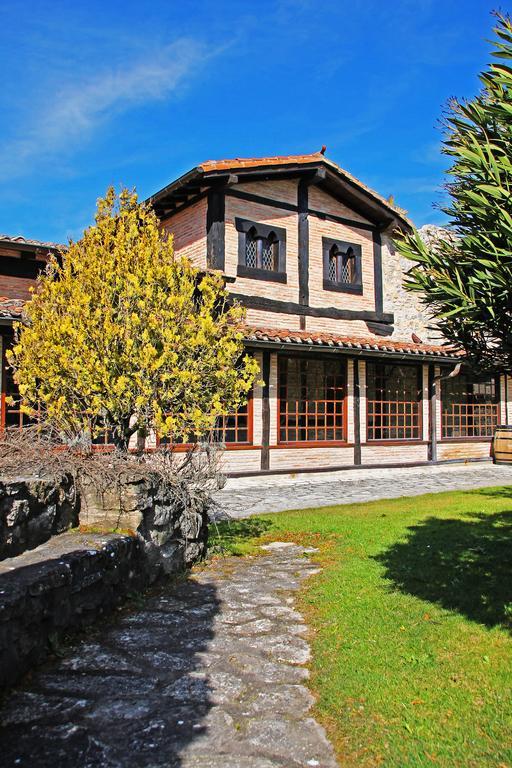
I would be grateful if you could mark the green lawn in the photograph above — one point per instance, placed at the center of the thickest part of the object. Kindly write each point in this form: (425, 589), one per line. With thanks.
(411, 621)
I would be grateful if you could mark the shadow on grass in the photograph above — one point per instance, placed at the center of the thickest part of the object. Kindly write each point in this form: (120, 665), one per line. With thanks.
(463, 565)
(504, 492)
(232, 535)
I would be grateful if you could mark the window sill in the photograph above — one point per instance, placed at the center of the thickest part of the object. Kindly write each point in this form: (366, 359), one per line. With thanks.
(184, 447)
(356, 288)
(465, 440)
(314, 444)
(241, 447)
(261, 274)
(403, 441)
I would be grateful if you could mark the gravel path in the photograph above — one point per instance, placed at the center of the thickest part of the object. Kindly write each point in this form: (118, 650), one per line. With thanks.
(243, 497)
(207, 674)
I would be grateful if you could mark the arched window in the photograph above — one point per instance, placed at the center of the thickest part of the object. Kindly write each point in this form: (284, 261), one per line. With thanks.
(251, 259)
(261, 251)
(269, 252)
(341, 265)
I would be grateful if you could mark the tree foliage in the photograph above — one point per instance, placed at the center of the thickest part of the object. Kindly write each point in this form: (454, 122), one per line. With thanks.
(466, 278)
(121, 333)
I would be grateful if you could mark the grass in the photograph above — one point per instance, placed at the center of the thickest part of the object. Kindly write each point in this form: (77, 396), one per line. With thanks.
(411, 622)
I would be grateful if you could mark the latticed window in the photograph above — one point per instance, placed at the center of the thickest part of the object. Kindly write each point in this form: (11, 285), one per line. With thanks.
(469, 407)
(12, 415)
(341, 265)
(236, 428)
(311, 400)
(261, 252)
(102, 437)
(393, 399)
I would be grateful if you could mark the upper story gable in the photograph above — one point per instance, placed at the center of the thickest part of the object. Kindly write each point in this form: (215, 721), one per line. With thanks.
(300, 241)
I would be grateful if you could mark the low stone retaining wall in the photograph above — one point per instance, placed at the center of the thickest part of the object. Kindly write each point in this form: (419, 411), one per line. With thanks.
(172, 527)
(51, 585)
(33, 510)
(62, 586)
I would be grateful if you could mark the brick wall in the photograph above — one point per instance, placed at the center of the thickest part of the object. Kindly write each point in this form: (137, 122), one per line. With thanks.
(188, 228)
(263, 214)
(331, 229)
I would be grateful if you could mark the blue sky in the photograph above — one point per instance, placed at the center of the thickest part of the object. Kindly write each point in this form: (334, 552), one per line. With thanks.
(132, 93)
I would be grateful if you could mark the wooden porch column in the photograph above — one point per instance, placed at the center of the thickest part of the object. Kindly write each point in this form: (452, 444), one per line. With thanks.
(432, 391)
(265, 410)
(357, 414)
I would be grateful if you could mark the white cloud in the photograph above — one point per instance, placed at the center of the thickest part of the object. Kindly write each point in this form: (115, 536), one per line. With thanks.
(71, 114)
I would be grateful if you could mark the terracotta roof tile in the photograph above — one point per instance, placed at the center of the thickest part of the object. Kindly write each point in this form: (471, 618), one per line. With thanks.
(254, 162)
(11, 308)
(314, 157)
(374, 343)
(26, 241)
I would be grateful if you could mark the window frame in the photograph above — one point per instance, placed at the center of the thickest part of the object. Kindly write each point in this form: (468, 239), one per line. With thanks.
(243, 226)
(356, 286)
(181, 447)
(397, 440)
(496, 403)
(341, 360)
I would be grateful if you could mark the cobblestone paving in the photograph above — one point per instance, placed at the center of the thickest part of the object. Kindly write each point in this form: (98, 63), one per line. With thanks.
(208, 674)
(243, 497)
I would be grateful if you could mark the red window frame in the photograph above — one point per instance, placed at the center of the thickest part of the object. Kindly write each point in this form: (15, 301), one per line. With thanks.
(10, 389)
(238, 444)
(331, 412)
(400, 418)
(476, 420)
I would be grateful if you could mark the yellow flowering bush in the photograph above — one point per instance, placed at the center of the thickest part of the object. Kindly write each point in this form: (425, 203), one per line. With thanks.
(120, 331)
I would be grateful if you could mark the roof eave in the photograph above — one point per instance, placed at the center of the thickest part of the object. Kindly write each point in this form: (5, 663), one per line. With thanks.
(14, 245)
(375, 208)
(351, 351)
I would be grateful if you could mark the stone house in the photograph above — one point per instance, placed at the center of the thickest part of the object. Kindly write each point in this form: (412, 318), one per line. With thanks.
(354, 376)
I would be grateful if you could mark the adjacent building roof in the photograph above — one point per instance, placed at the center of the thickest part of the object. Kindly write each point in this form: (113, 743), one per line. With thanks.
(366, 345)
(23, 243)
(10, 309)
(331, 177)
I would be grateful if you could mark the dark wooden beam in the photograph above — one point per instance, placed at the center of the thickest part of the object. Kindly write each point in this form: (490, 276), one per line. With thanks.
(357, 414)
(342, 220)
(265, 411)
(215, 229)
(377, 272)
(293, 308)
(285, 206)
(303, 240)
(260, 199)
(432, 414)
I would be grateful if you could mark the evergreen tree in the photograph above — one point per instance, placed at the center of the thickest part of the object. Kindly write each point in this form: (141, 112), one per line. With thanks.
(466, 279)
(123, 335)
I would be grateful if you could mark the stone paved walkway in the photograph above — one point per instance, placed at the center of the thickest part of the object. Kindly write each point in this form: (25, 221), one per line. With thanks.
(208, 674)
(247, 496)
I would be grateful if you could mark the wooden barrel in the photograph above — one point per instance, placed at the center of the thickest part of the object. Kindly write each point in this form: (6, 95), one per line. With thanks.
(502, 445)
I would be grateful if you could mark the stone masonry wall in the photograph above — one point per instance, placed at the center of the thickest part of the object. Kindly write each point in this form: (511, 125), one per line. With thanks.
(171, 526)
(71, 579)
(410, 314)
(32, 510)
(60, 587)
